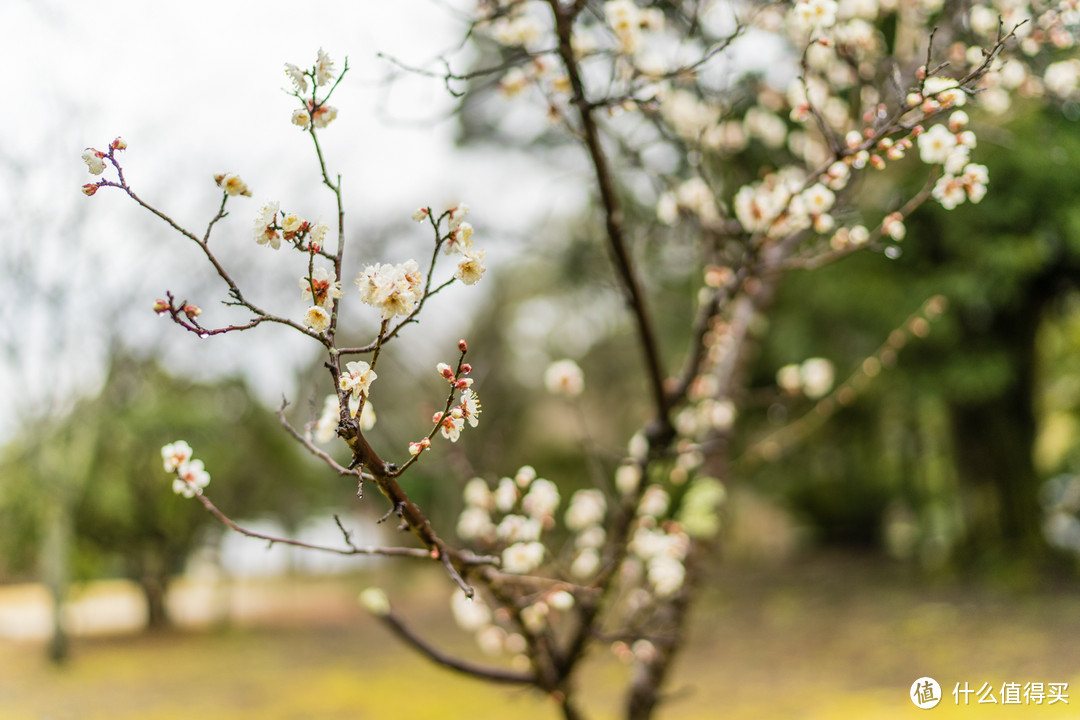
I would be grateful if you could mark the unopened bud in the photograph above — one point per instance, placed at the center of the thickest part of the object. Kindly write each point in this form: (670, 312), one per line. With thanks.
(89, 189)
(462, 346)
(118, 144)
(192, 311)
(161, 306)
(466, 368)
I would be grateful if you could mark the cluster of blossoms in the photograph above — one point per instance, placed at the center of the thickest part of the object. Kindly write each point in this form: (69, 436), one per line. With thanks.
(272, 225)
(392, 289)
(314, 112)
(451, 423)
(323, 288)
(495, 634)
(470, 267)
(190, 475)
(95, 163)
(523, 506)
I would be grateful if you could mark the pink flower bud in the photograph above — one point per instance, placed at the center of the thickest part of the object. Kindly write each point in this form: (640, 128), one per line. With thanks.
(161, 306)
(462, 346)
(192, 311)
(89, 189)
(118, 144)
(466, 368)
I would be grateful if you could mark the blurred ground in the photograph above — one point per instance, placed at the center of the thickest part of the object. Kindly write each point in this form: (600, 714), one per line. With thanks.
(822, 638)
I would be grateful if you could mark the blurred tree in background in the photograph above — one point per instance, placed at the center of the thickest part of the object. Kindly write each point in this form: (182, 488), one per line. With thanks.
(941, 448)
(88, 492)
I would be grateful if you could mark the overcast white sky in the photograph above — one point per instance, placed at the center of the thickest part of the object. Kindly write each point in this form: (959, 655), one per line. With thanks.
(196, 88)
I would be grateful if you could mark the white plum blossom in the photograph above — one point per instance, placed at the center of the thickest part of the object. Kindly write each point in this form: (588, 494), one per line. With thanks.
(374, 600)
(232, 184)
(191, 478)
(970, 185)
(477, 494)
(506, 495)
(301, 118)
(393, 289)
(324, 69)
(265, 232)
(945, 91)
(94, 161)
(524, 476)
(325, 283)
(456, 215)
(317, 319)
(421, 214)
(323, 115)
(565, 378)
(817, 377)
(587, 508)
(356, 380)
(666, 575)
(473, 523)
(627, 478)
(585, 564)
(326, 426)
(471, 266)
(298, 78)
(519, 528)
(521, 558)
(814, 14)
(471, 614)
(317, 234)
(541, 500)
(451, 425)
(935, 145)
(654, 502)
(175, 454)
(624, 19)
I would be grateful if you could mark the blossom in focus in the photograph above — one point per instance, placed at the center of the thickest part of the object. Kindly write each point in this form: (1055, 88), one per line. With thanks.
(265, 231)
(357, 378)
(420, 215)
(564, 378)
(471, 266)
(232, 184)
(470, 407)
(451, 424)
(935, 145)
(393, 289)
(326, 287)
(94, 161)
(317, 319)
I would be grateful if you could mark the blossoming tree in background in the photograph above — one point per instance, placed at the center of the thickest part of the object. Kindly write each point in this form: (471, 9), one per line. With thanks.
(755, 176)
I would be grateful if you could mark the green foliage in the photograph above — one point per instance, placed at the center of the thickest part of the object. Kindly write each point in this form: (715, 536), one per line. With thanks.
(104, 460)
